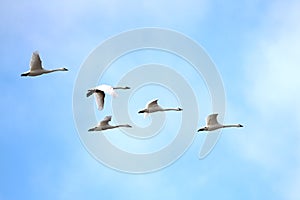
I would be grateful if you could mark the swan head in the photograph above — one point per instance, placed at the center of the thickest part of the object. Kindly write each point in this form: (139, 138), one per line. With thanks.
(240, 125)
(126, 88)
(64, 69)
(203, 129)
(179, 109)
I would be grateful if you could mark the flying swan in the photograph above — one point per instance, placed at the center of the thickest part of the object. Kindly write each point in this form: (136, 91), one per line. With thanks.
(152, 106)
(36, 67)
(104, 125)
(213, 124)
(100, 91)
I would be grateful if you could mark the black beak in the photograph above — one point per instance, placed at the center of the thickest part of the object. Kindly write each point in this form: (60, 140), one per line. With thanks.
(201, 129)
(141, 111)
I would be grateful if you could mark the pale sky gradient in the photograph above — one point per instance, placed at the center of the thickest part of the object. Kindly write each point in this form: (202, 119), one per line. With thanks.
(255, 46)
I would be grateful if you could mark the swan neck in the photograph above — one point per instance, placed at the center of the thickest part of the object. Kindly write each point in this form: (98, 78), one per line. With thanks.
(170, 109)
(54, 70)
(122, 125)
(231, 125)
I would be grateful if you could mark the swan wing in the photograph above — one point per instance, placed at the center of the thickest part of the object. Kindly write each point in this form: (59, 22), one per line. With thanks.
(35, 62)
(99, 94)
(152, 103)
(212, 120)
(107, 89)
(105, 121)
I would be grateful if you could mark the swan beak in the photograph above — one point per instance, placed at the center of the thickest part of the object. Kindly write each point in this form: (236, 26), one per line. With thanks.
(141, 111)
(180, 109)
(65, 69)
(240, 125)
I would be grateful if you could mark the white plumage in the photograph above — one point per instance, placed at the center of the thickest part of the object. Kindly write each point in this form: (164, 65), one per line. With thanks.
(213, 124)
(153, 106)
(36, 67)
(104, 125)
(100, 91)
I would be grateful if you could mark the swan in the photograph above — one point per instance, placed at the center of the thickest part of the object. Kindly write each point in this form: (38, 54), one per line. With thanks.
(213, 124)
(36, 67)
(104, 125)
(153, 106)
(100, 91)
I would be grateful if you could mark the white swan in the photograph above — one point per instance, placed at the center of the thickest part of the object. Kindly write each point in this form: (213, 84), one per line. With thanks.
(100, 91)
(36, 67)
(152, 106)
(213, 124)
(104, 125)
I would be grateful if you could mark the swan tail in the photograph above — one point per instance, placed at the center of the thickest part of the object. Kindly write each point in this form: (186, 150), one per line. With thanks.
(90, 92)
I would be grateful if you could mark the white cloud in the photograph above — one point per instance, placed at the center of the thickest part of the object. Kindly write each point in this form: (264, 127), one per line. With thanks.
(271, 137)
(274, 63)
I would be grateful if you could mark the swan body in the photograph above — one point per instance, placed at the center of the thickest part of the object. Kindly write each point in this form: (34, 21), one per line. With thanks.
(213, 124)
(153, 106)
(104, 125)
(100, 91)
(36, 67)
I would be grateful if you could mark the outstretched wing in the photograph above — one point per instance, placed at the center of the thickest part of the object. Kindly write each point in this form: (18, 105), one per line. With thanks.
(99, 99)
(107, 89)
(152, 103)
(35, 62)
(212, 120)
(105, 121)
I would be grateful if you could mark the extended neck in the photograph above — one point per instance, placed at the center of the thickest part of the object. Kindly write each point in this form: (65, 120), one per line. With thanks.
(171, 109)
(55, 70)
(123, 125)
(124, 88)
(232, 125)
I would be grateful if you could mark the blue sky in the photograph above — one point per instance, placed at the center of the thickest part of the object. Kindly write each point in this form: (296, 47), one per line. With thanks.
(255, 47)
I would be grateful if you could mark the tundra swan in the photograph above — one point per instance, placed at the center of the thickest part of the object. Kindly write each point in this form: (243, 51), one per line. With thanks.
(153, 106)
(36, 67)
(100, 91)
(213, 124)
(104, 125)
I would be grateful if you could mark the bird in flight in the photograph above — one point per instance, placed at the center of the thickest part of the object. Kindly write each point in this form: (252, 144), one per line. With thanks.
(153, 106)
(104, 125)
(36, 67)
(100, 91)
(213, 124)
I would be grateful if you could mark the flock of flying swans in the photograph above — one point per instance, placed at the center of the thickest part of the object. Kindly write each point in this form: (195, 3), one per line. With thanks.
(37, 69)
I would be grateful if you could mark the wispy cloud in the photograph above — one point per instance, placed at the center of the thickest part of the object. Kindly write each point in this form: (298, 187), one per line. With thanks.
(272, 71)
